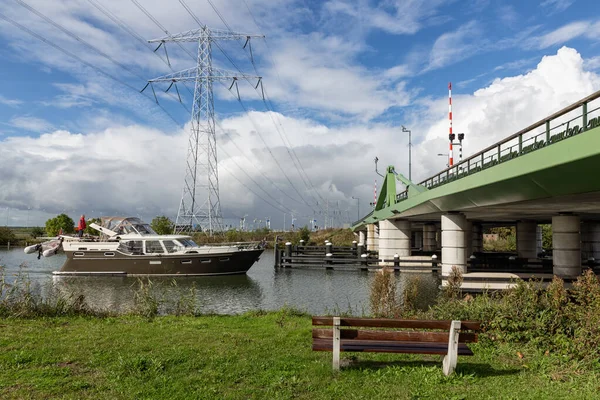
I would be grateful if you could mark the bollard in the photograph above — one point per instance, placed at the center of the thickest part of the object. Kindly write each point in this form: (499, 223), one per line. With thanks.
(396, 261)
(364, 262)
(360, 249)
(328, 257)
(277, 256)
(354, 246)
(434, 261)
(288, 252)
(328, 248)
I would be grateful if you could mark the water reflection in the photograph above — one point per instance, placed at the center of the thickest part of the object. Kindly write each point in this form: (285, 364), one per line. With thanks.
(230, 295)
(315, 291)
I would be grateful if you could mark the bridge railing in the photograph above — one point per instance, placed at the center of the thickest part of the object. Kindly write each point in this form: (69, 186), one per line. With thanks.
(568, 122)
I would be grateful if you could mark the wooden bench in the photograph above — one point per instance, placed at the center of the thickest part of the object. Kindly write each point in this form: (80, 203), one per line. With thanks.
(416, 337)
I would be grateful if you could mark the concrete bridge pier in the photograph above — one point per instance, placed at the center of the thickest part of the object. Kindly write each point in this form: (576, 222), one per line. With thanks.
(372, 244)
(527, 239)
(590, 240)
(361, 237)
(468, 240)
(476, 238)
(394, 238)
(429, 242)
(418, 238)
(539, 239)
(566, 244)
(453, 243)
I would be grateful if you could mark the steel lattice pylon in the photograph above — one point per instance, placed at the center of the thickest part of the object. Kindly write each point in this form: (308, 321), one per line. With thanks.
(202, 161)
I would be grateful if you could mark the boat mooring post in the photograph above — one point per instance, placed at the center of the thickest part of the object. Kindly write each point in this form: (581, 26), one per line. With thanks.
(360, 250)
(288, 252)
(354, 246)
(396, 261)
(277, 255)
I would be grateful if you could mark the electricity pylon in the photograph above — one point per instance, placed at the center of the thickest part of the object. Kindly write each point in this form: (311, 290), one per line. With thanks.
(202, 146)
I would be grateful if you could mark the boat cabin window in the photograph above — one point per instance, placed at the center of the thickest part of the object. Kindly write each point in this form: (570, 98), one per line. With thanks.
(171, 246)
(134, 247)
(187, 242)
(154, 246)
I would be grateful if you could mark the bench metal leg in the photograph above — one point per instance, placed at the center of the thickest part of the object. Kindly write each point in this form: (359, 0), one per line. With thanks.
(450, 360)
(336, 344)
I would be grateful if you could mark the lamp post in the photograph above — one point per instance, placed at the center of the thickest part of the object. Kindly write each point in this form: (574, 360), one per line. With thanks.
(444, 155)
(357, 207)
(409, 151)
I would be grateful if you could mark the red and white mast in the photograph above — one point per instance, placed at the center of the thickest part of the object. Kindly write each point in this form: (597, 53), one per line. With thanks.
(450, 135)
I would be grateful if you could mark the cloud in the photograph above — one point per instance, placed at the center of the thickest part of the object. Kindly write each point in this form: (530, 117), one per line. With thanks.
(396, 16)
(455, 46)
(504, 107)
(319, 72)
(9, 102)
(565, 33)
(30, 123)
(133, 169)
(556, 6)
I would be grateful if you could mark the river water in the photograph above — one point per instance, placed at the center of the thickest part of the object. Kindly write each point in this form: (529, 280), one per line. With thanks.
(315, 291)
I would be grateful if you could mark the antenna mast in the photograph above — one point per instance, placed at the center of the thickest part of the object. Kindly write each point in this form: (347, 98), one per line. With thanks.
(201, 168)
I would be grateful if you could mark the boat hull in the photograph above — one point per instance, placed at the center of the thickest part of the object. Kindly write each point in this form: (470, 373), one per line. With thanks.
(227, 263)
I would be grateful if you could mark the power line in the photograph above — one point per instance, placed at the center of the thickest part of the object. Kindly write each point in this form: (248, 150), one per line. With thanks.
(193, 15)
(307, 182)
(77, 38)
(95, 68)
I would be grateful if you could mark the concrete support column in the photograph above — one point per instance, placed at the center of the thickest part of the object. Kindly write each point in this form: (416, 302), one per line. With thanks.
(477, 238)
(539, 240)
(566, 246)
(394, 238)
(527, 239)
(453, 243)
(429, 242)
(590, 240)
(419, 239)
(371, 238)
(361, 237)
(468, 240)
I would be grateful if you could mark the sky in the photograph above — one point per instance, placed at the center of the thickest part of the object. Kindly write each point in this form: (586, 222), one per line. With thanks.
(340, 79)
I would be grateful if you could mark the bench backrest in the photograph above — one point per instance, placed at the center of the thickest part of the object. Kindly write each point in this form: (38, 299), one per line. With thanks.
(395, 335)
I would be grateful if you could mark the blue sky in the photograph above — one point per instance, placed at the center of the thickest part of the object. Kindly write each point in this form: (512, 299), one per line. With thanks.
(342, 76)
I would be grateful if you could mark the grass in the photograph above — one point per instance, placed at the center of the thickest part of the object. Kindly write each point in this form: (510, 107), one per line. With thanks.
(255, 355)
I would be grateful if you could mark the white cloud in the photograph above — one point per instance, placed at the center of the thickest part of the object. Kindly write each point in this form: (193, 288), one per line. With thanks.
(556, 6)
(30, 123)
(9, 102)
(505, 106)
(587, 29)
(452, 47)
(139, 170)
(396, 16)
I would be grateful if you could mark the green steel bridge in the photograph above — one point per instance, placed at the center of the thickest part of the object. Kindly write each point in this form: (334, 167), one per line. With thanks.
(548, 172)
(549, 167)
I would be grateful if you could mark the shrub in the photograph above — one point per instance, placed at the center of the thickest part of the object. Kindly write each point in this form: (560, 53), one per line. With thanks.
(383, 294)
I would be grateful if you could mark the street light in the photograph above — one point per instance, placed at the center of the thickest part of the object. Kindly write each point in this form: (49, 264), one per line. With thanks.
(409, 151)
(357, 207)
(445, 155)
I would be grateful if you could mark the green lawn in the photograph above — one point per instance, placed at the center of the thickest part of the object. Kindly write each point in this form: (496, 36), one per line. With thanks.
(250, 356)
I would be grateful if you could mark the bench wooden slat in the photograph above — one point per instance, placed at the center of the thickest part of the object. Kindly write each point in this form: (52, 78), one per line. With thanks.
(395, 323)
(405, 336)
(389, 347)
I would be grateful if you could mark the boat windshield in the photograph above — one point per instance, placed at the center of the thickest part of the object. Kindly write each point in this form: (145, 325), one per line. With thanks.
(187, 243)
(124, 225)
